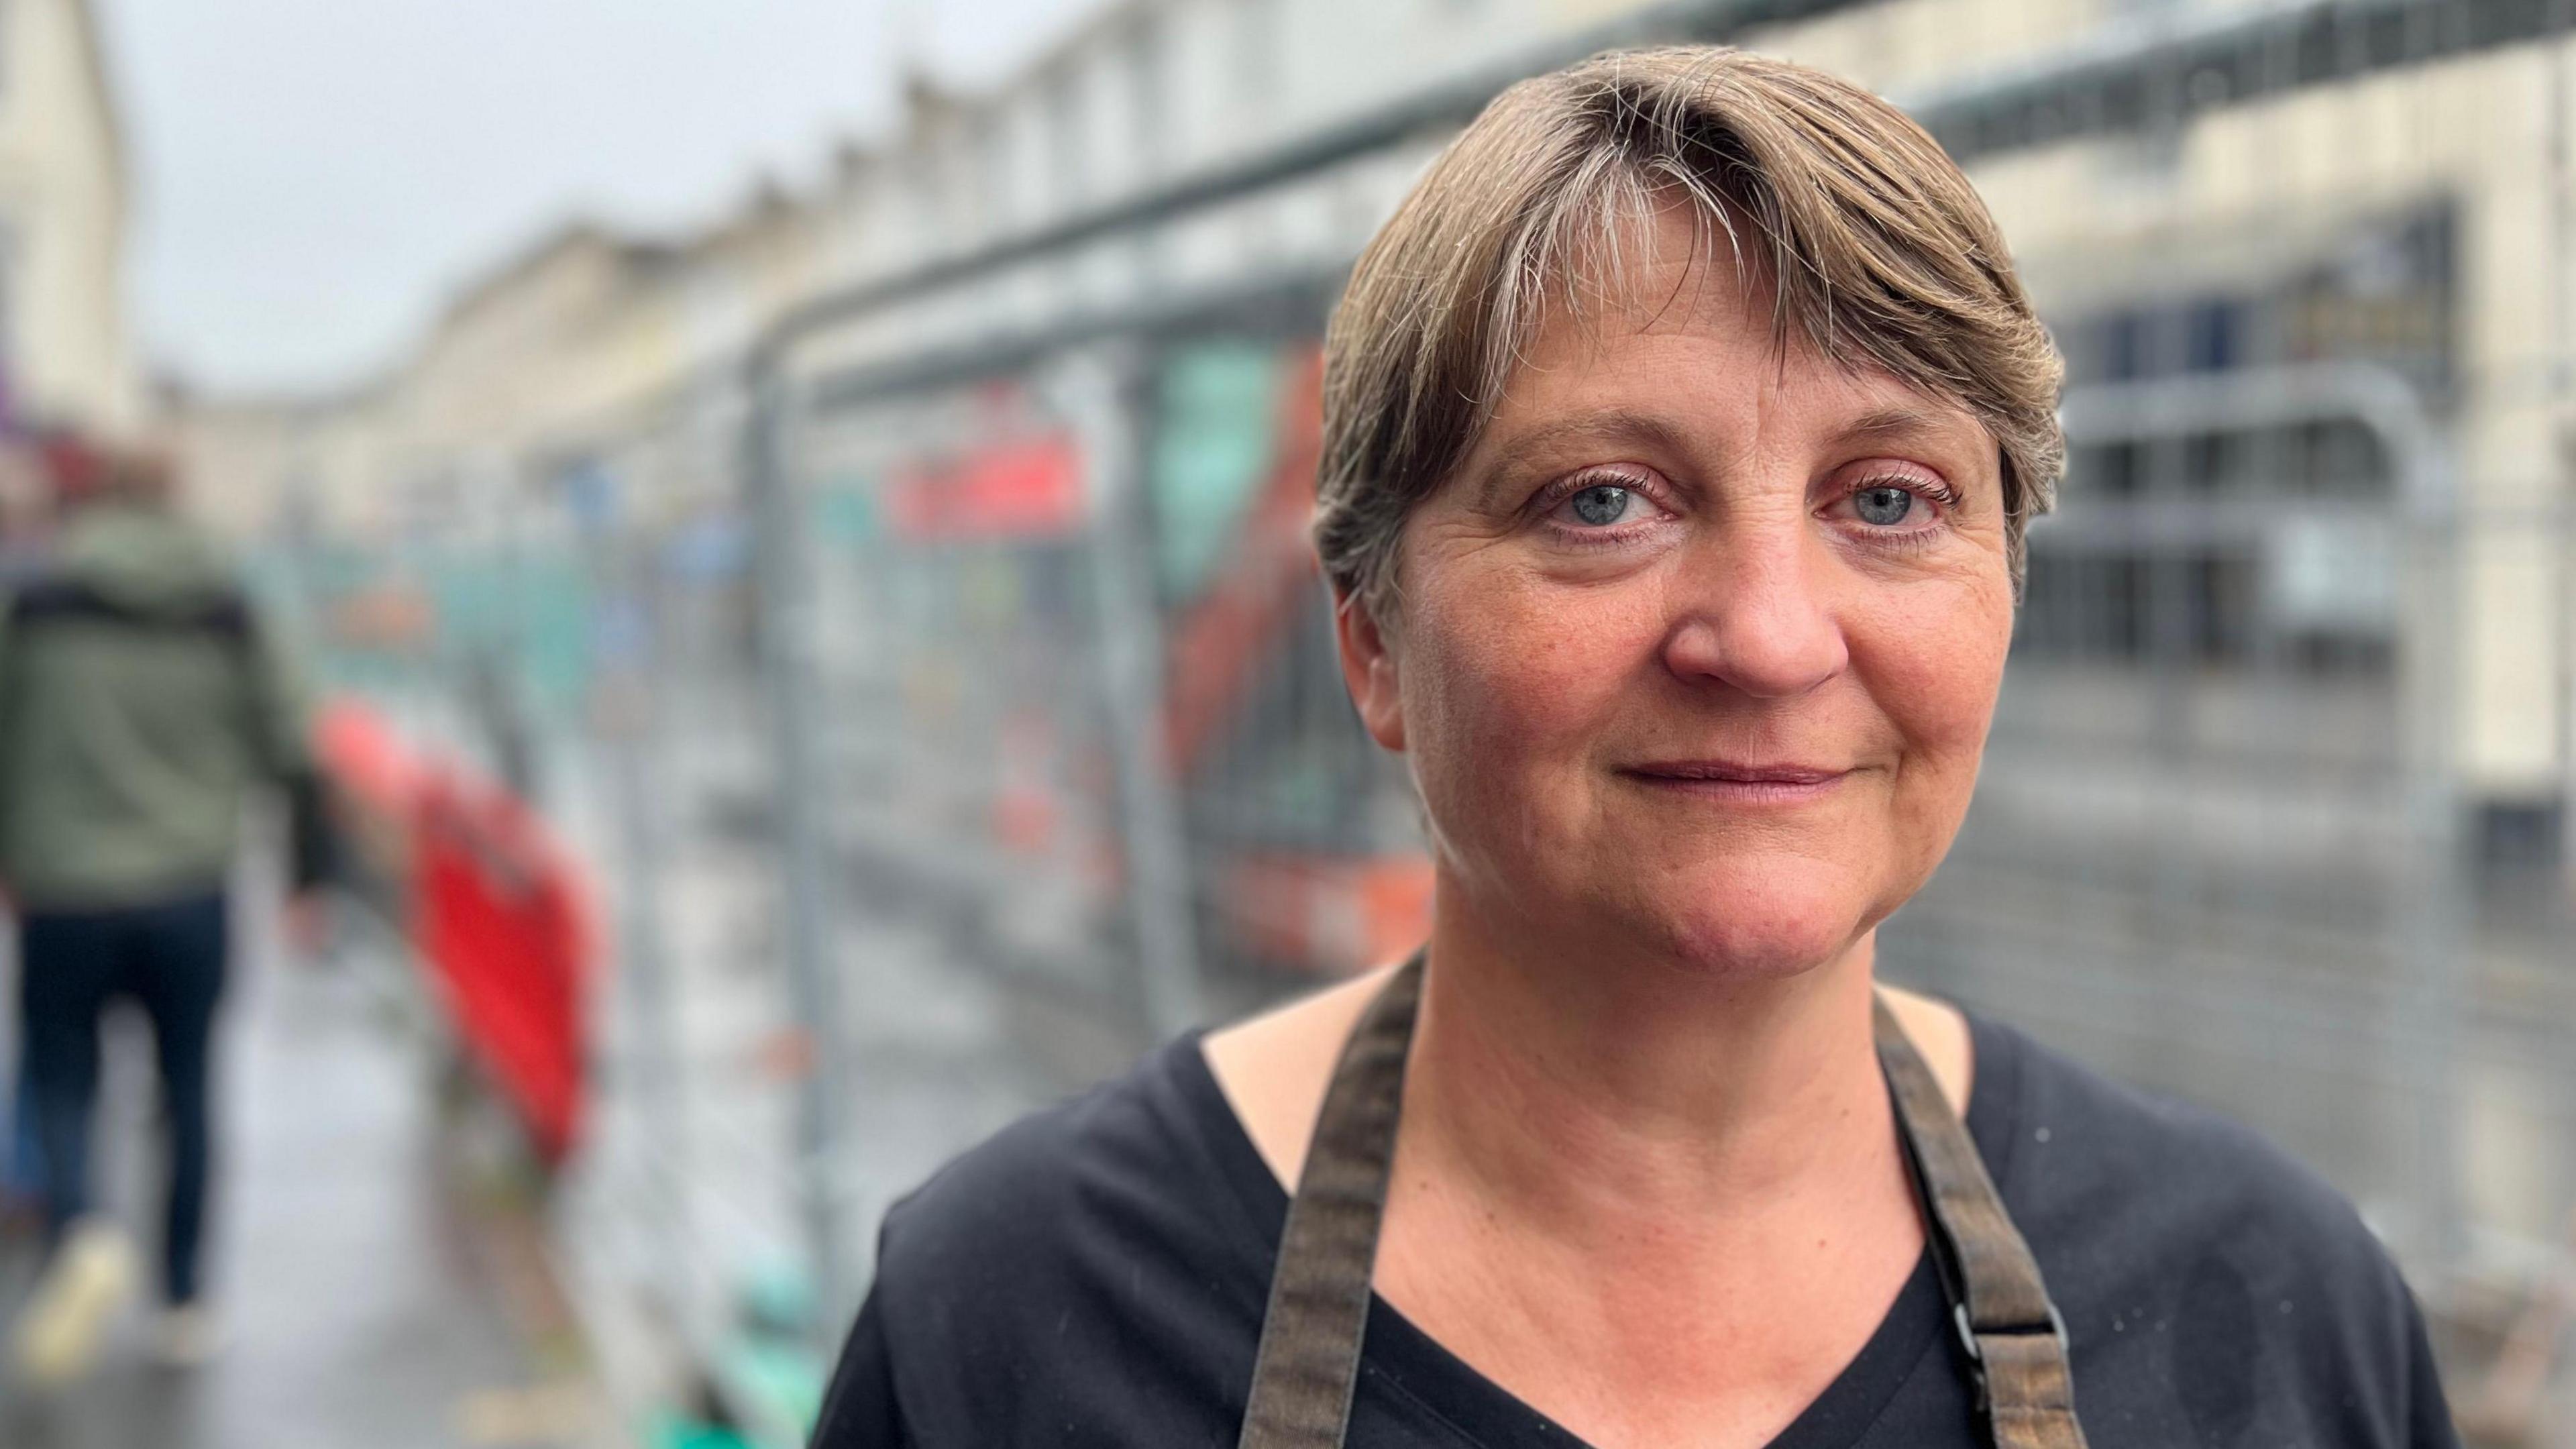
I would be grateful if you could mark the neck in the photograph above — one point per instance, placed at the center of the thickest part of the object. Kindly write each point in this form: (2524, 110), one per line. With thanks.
(1589, 1094)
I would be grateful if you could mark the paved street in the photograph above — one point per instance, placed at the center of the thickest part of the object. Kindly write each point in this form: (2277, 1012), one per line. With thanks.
(358, 1316)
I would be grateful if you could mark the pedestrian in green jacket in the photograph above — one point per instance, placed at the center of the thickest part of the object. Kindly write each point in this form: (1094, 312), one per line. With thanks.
(143, 700)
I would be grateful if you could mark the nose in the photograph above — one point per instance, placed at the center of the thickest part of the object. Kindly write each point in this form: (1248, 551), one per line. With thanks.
(1751, 612)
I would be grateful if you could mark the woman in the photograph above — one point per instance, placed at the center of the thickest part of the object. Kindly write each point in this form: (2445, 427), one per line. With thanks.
(1681, 432)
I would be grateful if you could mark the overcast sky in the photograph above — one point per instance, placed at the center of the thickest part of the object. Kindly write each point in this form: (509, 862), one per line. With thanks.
(312, 176)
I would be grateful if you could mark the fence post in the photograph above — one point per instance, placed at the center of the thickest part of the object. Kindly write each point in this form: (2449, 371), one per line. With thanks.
(2435, 913)
(627, 720)
(1100, 392)
(784, 599)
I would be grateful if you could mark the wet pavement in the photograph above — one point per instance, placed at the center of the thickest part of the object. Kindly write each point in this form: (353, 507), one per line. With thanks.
(356, 1310)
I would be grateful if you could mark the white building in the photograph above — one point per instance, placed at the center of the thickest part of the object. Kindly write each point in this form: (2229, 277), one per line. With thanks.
(65, 356)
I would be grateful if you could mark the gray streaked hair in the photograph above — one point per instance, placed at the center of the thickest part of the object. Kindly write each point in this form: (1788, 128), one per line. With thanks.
(1878, 252)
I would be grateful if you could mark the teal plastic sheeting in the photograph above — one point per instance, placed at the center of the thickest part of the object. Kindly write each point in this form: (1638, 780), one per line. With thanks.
(1218, 426)
(534, 608)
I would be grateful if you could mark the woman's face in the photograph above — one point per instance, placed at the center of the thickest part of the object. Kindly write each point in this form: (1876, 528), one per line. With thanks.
(1698, 647)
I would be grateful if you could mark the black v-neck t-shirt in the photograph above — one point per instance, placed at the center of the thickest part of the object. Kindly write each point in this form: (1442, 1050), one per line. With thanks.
(1095, 1276)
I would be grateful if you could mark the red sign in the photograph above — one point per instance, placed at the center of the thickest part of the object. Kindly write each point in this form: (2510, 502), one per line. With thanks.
(1026, 489)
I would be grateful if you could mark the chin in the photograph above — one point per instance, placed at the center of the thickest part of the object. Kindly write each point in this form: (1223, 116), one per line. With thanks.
(1753, 924)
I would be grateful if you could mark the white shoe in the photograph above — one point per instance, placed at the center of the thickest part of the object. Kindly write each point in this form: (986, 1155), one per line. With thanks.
(188, 1336)
(67, 1316)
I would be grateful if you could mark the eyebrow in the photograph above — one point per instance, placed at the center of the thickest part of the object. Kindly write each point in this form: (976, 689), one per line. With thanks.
(1893, 422)
(1651, 432)
(1608, 425)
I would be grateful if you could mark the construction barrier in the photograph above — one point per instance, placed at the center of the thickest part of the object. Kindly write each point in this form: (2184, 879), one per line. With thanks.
(493, 907)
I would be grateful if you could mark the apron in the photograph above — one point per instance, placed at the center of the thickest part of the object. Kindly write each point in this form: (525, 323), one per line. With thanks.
(1308, 1364)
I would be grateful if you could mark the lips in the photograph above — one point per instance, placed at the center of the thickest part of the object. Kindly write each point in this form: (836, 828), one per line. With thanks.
(1732, 772)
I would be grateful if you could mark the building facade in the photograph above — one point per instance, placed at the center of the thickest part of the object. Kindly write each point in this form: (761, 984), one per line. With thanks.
(65, 354)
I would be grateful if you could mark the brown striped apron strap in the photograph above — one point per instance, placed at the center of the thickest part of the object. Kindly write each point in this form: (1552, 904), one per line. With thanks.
(2016, 1342)
(1308, 1363)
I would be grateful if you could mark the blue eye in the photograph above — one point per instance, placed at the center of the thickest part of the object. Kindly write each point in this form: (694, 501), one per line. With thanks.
(1883, 505)
(1602, 505)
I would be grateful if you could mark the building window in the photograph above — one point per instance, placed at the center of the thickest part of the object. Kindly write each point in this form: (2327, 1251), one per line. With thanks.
(1260, 42)
(991, 159)
(1068, 119)
(1147, 83)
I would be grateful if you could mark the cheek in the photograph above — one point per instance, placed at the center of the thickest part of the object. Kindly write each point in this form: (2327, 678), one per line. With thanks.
(1934, 667)
(1503, 681)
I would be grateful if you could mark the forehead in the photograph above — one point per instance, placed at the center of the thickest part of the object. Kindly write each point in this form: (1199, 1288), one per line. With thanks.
(1679, 320)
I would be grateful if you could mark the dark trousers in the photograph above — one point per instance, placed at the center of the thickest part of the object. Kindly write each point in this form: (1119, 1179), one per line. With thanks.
(71, 964)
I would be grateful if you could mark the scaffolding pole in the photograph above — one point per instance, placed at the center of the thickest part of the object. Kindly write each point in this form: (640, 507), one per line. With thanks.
(785, 594)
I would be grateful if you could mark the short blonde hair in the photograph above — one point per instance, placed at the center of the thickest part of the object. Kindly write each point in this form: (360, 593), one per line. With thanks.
(1878, 250)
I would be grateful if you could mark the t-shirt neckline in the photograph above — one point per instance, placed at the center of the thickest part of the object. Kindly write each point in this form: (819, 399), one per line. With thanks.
(1412, 1364)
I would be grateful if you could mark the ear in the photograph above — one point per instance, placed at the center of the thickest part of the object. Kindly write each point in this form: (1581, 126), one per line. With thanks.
(1369, 670)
